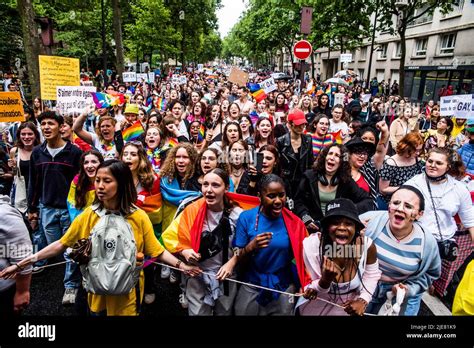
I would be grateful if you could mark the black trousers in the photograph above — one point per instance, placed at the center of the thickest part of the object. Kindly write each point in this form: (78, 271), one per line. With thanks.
(6, 303)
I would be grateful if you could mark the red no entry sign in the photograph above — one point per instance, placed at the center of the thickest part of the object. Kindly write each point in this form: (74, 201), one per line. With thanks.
(302, 49)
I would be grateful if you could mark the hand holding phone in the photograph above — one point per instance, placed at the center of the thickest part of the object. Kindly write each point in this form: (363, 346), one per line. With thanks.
(259, 162)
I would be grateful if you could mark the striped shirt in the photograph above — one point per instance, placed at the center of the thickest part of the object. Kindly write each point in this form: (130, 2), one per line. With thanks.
(320, 143)
(399, 259)
(371, 176)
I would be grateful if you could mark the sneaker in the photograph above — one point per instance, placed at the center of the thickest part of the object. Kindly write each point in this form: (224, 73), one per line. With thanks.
(165, 272)
(149, 298)
(174, 276)
(69, 297)
(184, 301)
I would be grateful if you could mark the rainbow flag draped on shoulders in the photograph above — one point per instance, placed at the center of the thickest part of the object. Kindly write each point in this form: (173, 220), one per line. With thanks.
(151, 202)
(186, 229)
(133, 132)
(71, 198)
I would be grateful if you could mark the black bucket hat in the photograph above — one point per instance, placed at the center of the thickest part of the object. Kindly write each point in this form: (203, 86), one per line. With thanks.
(357, 143)
(342, 207)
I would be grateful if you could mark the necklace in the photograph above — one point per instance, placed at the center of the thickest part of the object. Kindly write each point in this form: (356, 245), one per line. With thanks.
(237, 172)
(402, 238)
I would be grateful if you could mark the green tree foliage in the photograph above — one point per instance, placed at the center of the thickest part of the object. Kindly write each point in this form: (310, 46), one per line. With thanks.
(10, 37)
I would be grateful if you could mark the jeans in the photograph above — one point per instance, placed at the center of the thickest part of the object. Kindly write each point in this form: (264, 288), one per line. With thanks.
(55, 223)
(410, 306)
(39, 241)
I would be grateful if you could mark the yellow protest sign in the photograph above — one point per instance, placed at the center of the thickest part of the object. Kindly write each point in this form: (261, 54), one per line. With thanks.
(57, 71)
(11, 107)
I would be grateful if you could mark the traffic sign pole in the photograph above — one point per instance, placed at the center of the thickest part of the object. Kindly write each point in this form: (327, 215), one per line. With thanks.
(302, 50)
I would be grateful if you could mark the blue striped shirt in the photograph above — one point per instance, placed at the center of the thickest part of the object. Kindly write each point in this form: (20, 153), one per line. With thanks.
(399, 259)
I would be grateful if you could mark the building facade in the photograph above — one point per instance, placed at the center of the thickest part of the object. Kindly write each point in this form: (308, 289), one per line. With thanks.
(439, 53)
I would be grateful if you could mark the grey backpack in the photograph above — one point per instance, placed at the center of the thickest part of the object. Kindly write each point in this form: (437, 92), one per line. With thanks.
(112, 268)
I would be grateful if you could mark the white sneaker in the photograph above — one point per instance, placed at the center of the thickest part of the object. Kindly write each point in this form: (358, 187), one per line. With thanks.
(149, 298)
(165, 272)
(174, 276)
(184, 301)
(69, 297)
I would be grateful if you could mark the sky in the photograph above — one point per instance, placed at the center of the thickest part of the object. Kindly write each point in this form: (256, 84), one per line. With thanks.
(229, 15)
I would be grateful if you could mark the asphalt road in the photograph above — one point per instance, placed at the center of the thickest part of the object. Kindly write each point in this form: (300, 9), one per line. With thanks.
(47, 291)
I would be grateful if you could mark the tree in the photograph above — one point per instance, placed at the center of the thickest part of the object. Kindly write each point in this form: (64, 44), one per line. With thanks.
(405, 15)
(10, 36)
(117, 25)
(31, 43)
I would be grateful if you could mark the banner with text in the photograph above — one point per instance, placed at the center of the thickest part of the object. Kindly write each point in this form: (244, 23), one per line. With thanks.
(57, 71)
(459, 106)
(73, 99)
(129, 76)
(268, 85)
(11, 107)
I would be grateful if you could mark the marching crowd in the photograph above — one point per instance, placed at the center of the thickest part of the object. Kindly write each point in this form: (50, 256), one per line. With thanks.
(286, 204)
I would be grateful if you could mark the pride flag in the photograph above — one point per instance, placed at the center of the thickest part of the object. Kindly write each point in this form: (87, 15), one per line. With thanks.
(254, 117)
(133, 132)
(201, 133)
(102, 100)
(117, 98)
(71, 198)
(337, 136)
(173, 142)
(151, 202)
(186, 229)
(256, 91)
(161, 103)
(328, 90)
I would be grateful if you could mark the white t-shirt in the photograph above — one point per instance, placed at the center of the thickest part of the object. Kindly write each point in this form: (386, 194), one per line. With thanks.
(107, 153)
(54, 152)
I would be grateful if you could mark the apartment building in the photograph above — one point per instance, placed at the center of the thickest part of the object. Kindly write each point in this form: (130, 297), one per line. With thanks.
(439, 52)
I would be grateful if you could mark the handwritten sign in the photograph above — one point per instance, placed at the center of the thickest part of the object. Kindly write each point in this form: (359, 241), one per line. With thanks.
(460, 106)
(239, 77)
(11, 107)
(151, 77)
(73, 99)
(129, 76)
(339, 98)
(141, 77)
(268, 85)
(57, 71)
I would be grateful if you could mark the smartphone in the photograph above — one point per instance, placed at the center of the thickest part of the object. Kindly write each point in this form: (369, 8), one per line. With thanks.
(259, 161)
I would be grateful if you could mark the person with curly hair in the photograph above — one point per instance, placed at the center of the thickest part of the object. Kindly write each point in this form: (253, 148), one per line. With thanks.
(330, 178)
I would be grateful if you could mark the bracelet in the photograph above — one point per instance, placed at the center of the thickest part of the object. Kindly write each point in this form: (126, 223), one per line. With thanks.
(21, 268)
(178, 264)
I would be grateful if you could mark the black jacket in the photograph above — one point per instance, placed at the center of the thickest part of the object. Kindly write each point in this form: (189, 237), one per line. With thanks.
(292, 168)
(50, 178)
(308, 204)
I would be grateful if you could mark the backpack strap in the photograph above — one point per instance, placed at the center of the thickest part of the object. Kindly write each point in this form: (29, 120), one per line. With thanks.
(226, 231)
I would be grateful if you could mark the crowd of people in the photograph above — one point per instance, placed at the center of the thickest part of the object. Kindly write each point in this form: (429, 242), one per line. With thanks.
(316, 208)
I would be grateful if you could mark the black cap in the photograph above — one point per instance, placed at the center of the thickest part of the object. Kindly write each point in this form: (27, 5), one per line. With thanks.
(357, 143)
(342, 207)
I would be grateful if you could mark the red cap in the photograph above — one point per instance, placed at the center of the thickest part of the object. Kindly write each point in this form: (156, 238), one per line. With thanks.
(297, 117)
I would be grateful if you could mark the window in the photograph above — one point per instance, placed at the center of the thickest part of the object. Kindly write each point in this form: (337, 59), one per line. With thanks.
(363, 53)
(383, 51)
(361, 73)
(397, 53)
(426, 17)
(420, 47)
(457, 9)
(448, 42)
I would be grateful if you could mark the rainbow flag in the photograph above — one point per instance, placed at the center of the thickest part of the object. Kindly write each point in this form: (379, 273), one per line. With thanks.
(133, 132)
(186, 229)
(254, 117)
(118, 98)
(173, 142)
(256, 91)
(151, 202)
(201, 134)
(161, 104)
(71, 199)
(337, 136)
(328, 90)
(102, 100)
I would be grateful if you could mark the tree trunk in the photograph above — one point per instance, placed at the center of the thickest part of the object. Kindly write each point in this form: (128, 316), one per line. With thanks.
(372, 42)
(342, 51)
(32, 44)
(401, 68)
(329, 60)
(117, 25)
(312, 65)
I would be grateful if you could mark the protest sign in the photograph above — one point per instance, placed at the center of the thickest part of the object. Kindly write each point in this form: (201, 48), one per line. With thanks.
(11, 107)
(151, 77)
(129, 76)
(339, 98)
(238, 77)
(141, 77)
(183, 80)
(73, 99)
(459, 106)
(268, 85)
(57, 71)
(200, 67)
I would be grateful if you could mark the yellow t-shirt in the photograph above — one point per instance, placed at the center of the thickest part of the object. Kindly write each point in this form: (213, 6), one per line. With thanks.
(146, 243)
